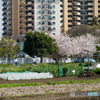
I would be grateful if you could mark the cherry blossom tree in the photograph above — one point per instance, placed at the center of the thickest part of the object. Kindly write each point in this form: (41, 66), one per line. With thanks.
(79, 46)
(63, 43)
(83, 45)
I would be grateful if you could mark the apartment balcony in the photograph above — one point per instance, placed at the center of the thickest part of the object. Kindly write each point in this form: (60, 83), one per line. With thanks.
(22, 18)
(5, 28)
(29, 3)
(23, 13)
(46, 3)
(7, 4)
(77, 18)
(46, 25)
(90, 18)
(69, 18)
(22, 3)
(90, 4)
(75, 3)
(78, 4)
(77, 8)
(23, 7)
(90, 13)
(90, 8)
(61, 3)
(23, 30)
(70, 23)
(70, 4)
(6, 0)
(46, 8)
(30, 14)
(69, 13)
(69, 8)
(46, 19)
(6, 24)
(99, 4)
(78, 23)
(46, 13)
(98, 18)
(69, 28)
(23, 25)
(7, 9)
(29, 25)
(29, 19)
(6, 19)
(77, 13)
(29, 8)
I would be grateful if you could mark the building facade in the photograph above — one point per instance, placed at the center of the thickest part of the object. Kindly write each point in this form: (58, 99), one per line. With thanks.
(78, 12)
(47, 16)
(52, 16)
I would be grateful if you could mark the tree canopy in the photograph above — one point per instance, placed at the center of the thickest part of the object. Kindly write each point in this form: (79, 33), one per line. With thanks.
(8, 48)
(43, 44)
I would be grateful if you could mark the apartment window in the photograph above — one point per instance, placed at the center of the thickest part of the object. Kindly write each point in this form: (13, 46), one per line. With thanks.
(20, 0)
(54, 28)
(53, 0)
(39, 22)
(39, 6)
(53, 23)
(53, 33)
(39, 12)
(39, 17)
(39, 28)
(39, 0)
(53, 17)
(53, 6)
(53, 12)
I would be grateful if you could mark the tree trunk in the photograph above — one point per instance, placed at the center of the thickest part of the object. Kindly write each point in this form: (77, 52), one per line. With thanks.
(9, 59)
(41, 59)
(57, 61)
(82, 60)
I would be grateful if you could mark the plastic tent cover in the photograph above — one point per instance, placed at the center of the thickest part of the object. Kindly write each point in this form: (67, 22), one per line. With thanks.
(25, 75)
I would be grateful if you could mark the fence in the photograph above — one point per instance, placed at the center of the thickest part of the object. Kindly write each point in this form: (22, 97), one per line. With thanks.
(27, 60)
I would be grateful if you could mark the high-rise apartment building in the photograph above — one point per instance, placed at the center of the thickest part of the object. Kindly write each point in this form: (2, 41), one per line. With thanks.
(47, 16)
(21, 16)
(14, 17)
(78, 12)
(54, 16)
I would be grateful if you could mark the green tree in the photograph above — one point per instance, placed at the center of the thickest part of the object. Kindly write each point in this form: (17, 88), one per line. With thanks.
(8, 48)
(17, 48)
(43, 44)
(94, 21)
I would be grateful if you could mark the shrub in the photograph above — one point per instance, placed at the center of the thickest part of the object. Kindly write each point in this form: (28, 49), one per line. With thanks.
(96, 70)
(65, 69)
(88, 63)
(28, 68)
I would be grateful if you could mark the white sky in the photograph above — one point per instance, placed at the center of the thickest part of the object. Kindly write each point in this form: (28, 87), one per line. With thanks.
(1, 17)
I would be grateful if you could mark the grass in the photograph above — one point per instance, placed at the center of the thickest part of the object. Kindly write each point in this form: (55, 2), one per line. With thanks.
(50, 83)
(52, 68)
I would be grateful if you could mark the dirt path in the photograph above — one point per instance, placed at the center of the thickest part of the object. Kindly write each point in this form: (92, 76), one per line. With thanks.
(57, 79)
